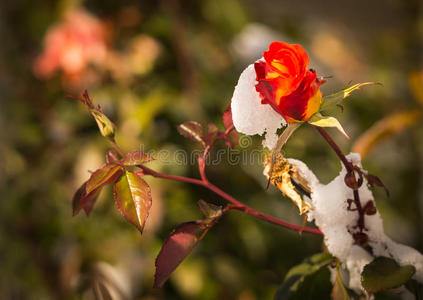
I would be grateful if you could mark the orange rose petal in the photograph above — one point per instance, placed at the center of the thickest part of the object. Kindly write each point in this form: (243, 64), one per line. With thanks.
(284, 82)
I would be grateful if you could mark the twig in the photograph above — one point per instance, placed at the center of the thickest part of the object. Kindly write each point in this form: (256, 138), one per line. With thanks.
(235, 204)
(350, 170)
(348, 165)
(116, 147)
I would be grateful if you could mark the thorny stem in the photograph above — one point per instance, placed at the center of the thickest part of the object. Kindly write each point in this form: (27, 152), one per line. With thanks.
(348, 165)
(235, 204)
(360, 210)
(350, 169)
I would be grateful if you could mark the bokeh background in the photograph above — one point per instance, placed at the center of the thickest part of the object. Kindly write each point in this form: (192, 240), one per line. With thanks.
(153, 65)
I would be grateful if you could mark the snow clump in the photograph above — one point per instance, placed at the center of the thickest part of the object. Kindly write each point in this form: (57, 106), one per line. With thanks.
(331, 215)
(249, 115)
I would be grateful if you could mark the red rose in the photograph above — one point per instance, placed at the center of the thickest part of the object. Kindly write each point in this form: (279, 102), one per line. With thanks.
(284, 82)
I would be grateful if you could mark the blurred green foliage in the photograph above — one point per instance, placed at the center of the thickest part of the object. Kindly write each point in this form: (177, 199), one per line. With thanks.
(167, 62)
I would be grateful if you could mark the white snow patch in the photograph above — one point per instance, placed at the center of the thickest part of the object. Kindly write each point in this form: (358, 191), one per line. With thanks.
(249, 115)
(355, 262)
(337, 223)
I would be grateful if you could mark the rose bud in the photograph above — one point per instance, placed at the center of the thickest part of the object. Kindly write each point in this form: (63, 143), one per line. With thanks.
(285, 83)
(275, 90)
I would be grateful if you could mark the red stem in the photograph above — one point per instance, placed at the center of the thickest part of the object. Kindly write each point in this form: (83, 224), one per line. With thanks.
(229, 129)
(350, 169)
(334, 146)
(236, 205)
(202, 163)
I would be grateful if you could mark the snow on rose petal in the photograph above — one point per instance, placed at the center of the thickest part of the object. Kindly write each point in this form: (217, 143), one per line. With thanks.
(277, 89)
(249, 115)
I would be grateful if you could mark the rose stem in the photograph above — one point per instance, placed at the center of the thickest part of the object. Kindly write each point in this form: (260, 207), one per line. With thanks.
(350, 169)
(236, 204)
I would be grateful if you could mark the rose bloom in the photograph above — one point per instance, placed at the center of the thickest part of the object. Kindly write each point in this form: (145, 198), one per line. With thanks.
(285, 83)
(275, 90)
(70, 45)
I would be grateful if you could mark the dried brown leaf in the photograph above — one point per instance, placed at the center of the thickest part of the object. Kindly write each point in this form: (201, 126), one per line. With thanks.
(289, 181)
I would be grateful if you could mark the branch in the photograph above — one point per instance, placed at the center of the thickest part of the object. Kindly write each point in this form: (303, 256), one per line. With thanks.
(350, 171)
(235, 204)
(116, 147)
(348, 165)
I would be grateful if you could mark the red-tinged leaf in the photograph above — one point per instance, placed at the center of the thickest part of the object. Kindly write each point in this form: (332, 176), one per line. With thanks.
(85, 99)
(374, 180)
(231, 137)
(108, 173)
(133, 199)
(139, 172)
(81, 200)
(136, 157)
(112, 157)
(212, 132)
(90, 204)
(227, 117)
(176, 247)
(193, 131)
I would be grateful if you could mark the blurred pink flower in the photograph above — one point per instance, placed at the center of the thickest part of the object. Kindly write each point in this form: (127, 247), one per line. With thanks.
(70, 45)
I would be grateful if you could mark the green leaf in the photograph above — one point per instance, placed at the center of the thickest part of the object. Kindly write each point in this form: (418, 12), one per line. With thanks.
(340, 284)
(136, 157)
(211, 211)
(107, 174)
(312, 287)
(133, 199)
(332, 100)
(299, 279)
(87, 194)
(193, 131)
(384, 273)
(321, 121)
